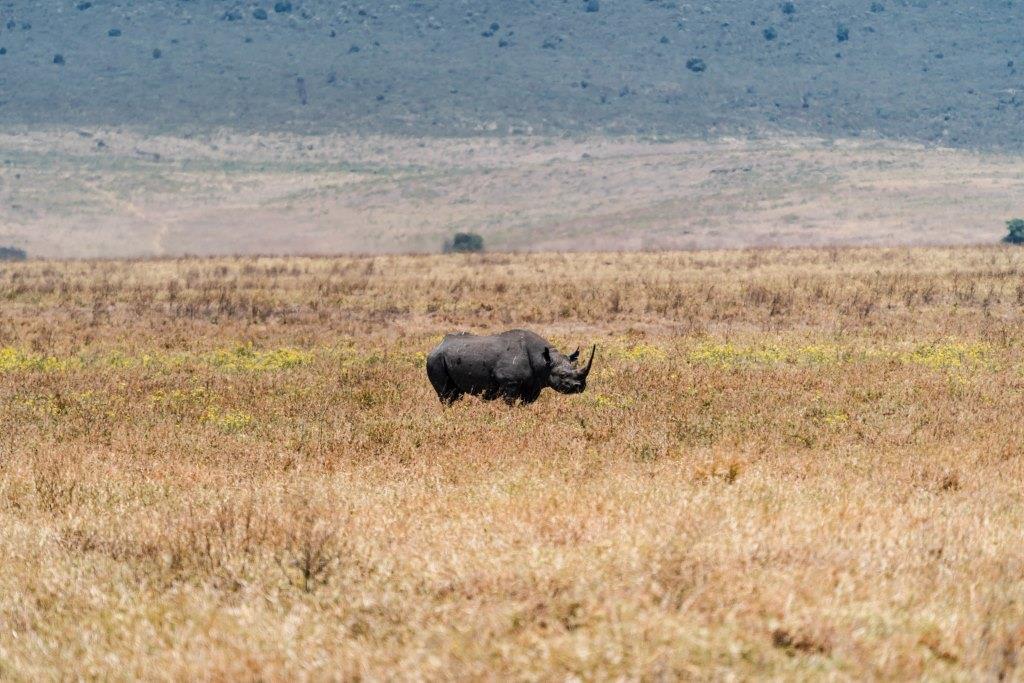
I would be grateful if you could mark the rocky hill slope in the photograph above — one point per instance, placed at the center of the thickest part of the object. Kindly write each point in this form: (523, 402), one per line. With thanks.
(939, 71)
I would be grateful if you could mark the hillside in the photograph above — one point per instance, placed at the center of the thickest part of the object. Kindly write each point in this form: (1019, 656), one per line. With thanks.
(933, 71)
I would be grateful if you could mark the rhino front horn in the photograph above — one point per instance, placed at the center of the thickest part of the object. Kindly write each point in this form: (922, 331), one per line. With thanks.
(590, 363)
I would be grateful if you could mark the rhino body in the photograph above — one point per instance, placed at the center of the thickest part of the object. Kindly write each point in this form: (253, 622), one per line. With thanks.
(514, 366)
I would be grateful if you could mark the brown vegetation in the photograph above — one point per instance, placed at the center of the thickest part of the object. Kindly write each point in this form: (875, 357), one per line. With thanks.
(788, 463)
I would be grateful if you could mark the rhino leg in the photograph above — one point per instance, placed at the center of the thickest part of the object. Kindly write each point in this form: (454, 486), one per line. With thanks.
(510, 395)
(528, 397)
(515, 393)
(447, 391)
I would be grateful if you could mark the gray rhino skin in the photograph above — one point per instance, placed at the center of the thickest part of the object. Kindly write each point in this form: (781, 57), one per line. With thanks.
(514, 366)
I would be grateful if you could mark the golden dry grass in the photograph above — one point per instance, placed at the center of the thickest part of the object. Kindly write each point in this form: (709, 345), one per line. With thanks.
(789, 464)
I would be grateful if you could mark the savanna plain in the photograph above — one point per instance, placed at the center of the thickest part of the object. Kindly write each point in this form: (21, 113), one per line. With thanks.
(796, 463)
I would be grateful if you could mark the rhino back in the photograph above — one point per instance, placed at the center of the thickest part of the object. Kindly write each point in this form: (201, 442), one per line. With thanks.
(530, 340)
(479, 362)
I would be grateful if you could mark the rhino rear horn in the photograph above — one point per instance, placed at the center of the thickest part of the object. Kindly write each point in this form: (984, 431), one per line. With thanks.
(590, 363)
(575, 355)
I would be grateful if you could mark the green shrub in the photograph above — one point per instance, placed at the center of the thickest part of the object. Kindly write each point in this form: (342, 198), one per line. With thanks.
(12, 254)
(1014, 231)
(464, 243)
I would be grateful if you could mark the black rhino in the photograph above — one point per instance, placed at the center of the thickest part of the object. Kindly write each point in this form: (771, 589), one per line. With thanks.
(514, 366)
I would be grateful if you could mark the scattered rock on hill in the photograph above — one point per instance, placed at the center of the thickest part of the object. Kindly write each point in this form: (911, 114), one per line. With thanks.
(720, 33)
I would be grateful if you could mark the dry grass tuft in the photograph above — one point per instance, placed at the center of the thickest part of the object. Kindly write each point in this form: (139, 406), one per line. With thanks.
(789, 464)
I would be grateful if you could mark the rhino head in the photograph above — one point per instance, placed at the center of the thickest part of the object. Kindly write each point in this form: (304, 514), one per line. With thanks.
(563, 375)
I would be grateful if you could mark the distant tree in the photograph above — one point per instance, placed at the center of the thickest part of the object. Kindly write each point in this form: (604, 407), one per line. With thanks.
(464, 243)
(12, 254)
(1014, 231)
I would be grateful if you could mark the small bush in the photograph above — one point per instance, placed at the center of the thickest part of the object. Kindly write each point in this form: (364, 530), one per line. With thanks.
(12, 254)
(464, 243)
(1014, 231)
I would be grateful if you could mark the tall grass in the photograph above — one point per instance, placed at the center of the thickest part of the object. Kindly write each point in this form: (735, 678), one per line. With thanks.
(788, 463)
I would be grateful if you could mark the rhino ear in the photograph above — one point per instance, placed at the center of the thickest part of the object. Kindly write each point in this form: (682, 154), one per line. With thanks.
(547, 355)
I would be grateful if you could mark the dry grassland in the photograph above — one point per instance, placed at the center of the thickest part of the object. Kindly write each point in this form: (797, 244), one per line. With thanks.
(74, 193)
(789, 464)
